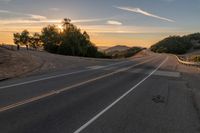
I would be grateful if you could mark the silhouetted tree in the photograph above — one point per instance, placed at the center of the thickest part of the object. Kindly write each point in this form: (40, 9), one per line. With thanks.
(35, 41)
(70, 41)
(85, 34)
(66, 23)
(50, 38)
(17, 40)
(24, 38)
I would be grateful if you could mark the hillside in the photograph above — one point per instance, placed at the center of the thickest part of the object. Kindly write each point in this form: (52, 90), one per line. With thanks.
(177, 44)
(122, 51)
(15, 64)
(102, 48)
(118, 48)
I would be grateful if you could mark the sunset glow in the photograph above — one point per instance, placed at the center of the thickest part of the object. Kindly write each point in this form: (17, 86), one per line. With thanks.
(108, 22)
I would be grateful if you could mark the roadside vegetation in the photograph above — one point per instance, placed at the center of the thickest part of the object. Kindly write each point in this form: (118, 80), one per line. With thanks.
(177, 44)
(66, 41)
(194, 58)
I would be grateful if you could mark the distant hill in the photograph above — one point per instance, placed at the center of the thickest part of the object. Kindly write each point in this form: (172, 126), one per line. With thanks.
(102, 48)
(122, 51)
(177, 44)
(118, 48)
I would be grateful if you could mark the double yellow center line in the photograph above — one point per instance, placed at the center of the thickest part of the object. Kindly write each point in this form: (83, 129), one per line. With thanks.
(54, 92)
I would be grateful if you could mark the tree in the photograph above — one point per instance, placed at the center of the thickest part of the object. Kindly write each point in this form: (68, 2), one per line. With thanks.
(70, 41)
(17, 40)
(85, 34)
(66, 23)
(76, 43)
(25, 38)
(50, 38)
(35, 41)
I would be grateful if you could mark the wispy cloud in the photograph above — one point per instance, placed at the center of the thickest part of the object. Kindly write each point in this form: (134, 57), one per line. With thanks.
(36, 17)
(24, 15)
(43, 20)
(138, 10)
(89, 20)
(113, 22)
(54, 9)
(33, 19)
(4, 11)
(23, 18)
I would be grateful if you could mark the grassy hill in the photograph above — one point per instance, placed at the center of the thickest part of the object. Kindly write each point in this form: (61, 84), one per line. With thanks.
(177, 44)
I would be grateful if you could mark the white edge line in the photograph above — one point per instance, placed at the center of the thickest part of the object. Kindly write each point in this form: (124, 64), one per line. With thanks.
(41, 79)
(116, 101)
(61, 75)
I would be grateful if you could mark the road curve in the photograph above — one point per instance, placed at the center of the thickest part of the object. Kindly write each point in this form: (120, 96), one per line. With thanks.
(146, 95)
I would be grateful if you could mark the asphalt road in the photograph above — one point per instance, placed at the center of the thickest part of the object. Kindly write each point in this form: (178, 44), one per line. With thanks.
(153, 94)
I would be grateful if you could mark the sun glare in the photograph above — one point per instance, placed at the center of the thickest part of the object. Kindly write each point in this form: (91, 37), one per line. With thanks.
(60, 27)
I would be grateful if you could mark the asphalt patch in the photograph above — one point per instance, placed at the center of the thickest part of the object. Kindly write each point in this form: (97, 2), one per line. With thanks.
(158, 99)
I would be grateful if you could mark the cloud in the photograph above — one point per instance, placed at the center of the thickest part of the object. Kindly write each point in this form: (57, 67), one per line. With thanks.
(89, 20)
(4, 11)
(24, 15)
(36, 17)
(23, 18)
(138, 10)
(43, 20)
(112, 22)
(54, 9)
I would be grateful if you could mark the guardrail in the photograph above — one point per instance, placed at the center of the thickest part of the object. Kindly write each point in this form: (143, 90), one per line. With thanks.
(187, 62)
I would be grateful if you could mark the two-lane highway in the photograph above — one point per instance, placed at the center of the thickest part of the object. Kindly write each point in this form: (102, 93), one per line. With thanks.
(135, 96)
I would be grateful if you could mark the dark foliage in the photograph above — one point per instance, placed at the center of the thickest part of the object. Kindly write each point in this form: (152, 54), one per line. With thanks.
(69, 41)
(76, 43)
(50, 38)
(176, 44)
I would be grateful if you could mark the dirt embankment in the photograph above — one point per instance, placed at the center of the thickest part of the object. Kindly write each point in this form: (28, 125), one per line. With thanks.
(13, 64)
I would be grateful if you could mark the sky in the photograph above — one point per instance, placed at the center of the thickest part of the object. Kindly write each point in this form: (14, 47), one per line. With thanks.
(108, 22)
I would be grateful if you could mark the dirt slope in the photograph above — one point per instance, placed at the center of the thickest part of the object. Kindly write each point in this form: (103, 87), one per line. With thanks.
(14, 63)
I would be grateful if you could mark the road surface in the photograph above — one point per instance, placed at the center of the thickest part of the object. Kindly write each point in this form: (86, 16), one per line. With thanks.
(152, 94)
